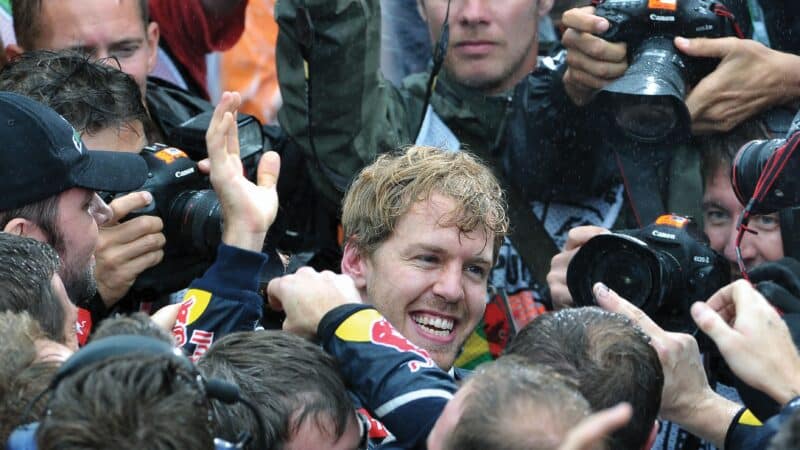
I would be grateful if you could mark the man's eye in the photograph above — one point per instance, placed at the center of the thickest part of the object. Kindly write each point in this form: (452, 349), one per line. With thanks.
(716, 217)
(124, 52)
(477, 270)
(431, 259)
(765, 223)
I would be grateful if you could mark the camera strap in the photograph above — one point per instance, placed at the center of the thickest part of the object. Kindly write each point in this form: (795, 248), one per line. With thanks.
(642, 188)
(529, 236)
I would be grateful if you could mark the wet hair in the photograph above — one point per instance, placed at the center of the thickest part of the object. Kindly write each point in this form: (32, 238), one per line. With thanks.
(130, 401)
(609, 356)
(91, 95)
(26, 283)
(513, 405)
(137, 324)
(387, 189)
(290, 379)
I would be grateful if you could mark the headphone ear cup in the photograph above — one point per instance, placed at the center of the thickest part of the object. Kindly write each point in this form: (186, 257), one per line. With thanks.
(23, 437)
(223, 391)
(115, 346)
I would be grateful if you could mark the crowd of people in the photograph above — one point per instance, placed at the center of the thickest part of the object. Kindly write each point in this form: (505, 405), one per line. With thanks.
(383, 255)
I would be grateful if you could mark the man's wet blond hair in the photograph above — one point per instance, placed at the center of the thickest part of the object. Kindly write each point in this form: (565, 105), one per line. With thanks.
(385, 190)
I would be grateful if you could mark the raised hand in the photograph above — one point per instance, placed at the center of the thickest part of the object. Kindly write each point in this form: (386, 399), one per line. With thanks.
(248, 209)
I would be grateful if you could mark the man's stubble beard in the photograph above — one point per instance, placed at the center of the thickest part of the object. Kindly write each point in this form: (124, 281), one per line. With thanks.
(80, 284)
(491, 86)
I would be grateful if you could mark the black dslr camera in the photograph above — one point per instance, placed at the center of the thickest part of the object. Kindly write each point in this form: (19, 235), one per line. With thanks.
(190, 210)
(768, 169)
(662, 269)
(647, 102)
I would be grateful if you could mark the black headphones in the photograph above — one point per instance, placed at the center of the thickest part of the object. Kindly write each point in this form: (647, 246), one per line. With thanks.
(24, 437)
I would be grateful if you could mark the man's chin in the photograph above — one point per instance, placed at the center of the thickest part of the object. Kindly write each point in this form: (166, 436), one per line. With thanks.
(81, 288)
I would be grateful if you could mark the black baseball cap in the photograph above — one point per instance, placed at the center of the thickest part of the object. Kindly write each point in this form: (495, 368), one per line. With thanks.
(41, 155)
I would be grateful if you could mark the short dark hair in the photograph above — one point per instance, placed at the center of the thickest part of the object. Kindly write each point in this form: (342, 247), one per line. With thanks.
(611, 358)
(513, 405)
(290, 379)
(27, 25)
(26, 282)
(43, 213)
(718, 150)
(21, 377)
(92, 96)
(137, 324)
(788, 436)
(131, 401)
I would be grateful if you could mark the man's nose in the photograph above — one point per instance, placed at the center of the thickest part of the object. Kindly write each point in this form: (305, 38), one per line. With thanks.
(747, 248)
(473, 12)
(449, 284)
(100, 211)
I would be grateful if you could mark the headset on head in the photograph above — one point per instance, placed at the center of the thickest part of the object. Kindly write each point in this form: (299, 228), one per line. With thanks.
(24, 437)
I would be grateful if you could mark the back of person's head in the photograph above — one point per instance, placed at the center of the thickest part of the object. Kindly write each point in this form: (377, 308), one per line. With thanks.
(22, 377)
(131, 401)
(136, 324)
(608, 355)
(27, 21)
(386, 189)
(26, 283)
(291, 380)
(92, 96)
(788, 436)
(511, 404)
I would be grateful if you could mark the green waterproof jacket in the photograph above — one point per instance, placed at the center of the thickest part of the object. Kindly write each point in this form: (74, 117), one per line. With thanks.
(356, 114)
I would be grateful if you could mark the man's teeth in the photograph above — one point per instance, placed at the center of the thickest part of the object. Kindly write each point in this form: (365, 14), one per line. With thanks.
(435, 325)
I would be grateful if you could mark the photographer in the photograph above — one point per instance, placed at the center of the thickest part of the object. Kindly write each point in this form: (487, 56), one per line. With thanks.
(124, 31)
(749, 79)
(105, 107)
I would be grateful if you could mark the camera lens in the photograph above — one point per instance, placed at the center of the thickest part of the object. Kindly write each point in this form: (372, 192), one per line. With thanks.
(624, 264)
(623, 272)
(646, 103)
(195, 219)
(646, 119)
(747, 167)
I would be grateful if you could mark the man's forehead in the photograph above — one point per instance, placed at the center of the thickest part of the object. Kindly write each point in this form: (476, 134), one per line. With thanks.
(88, 23)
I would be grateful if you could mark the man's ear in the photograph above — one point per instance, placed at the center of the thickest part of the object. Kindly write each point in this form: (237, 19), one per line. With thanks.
(153, 35)
(354, 265)
(651, 439)
(544, 7)
(12, 51)
(25, 227)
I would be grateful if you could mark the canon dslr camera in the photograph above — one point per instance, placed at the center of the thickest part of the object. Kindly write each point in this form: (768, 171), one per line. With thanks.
(190, 210)
(662, 269)
(646, 103)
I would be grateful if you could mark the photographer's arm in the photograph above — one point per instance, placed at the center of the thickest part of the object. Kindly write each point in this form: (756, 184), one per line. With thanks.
(592, 62)
(749, 79)
(127, 249)
(396, 380)
(226, 299)
(687, 398)
(356, 114)
(557, 277)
